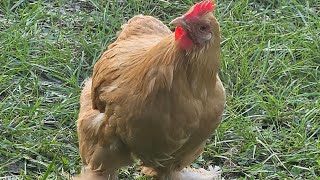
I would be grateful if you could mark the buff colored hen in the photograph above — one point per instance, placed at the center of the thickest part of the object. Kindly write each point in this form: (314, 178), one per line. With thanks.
(155, 95)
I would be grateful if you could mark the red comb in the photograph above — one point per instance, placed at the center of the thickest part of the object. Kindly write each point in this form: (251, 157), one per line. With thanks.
(200, 8)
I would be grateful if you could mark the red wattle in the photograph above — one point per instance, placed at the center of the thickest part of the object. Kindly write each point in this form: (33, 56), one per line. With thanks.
(181, 36)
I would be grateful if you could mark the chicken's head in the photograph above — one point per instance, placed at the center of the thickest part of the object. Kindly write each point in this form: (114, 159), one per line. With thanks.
(197, 26)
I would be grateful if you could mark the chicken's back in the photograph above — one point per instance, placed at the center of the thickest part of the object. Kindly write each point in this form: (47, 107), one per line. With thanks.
(136, 38)
(143, 27)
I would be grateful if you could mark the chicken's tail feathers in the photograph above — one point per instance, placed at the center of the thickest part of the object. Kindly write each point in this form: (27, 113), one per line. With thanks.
(124, 26)
(139, 26)
(85, 97)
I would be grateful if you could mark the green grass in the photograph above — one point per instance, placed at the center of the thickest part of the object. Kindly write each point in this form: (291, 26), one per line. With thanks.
(270, 69)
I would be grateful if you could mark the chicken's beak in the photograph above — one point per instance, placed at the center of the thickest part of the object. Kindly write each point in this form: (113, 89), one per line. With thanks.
(179, 21)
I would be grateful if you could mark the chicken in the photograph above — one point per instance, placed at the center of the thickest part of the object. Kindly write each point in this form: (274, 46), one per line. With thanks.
(155, 95)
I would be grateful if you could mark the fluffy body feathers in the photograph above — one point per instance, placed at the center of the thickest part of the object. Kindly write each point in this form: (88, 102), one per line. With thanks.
(150, 98)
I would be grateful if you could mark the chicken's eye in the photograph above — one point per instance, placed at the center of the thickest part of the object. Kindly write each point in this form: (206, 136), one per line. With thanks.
(203, 28)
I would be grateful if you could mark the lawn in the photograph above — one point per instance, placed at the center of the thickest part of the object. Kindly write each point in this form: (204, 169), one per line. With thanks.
(270, 69)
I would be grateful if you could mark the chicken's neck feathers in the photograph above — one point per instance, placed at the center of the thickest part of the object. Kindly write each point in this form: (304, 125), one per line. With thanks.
(168, 52)
(165, 61)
